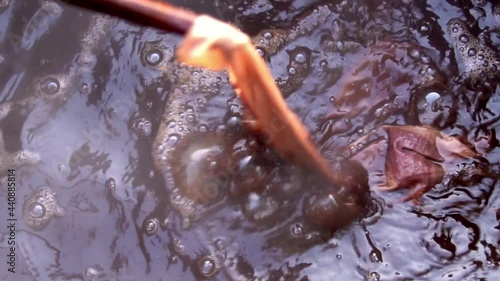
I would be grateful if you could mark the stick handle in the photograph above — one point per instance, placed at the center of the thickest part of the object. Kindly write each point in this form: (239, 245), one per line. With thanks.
(144, 12)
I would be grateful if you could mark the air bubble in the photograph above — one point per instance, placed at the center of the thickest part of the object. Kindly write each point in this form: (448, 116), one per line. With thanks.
(84, 88)
(50, 86)
(373, 276)
(267, 35)
(300, 58)
(464, 38)
(425, 27)
(374, 257)
(292, 70)
(207, 266)
(431, 70)
(297, 230)
(425, 59)
(154, 57)
(203, 128)
(91, 273)
(431, 97)
(323, 63)
(151, 226)
(173, 260)
(234, 124)
(40, 207)
(111, 184)
(261, 52)
(172, 140)
(177, 198)
(415, 54)
(220, 245)
(472, 52)
(143, 127)
(190, 118)
(179, 247)
(62, 168)
(36, 210)
(480, 57)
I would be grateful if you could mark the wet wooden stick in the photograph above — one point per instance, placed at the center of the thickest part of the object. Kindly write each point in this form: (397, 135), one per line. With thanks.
(216, 45)
(144, 12)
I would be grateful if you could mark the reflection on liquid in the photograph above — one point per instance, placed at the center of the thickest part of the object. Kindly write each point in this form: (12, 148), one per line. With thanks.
(93, 111)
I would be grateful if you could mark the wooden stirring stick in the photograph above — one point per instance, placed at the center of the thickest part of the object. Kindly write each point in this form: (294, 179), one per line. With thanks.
(213, 44)
(152, 13)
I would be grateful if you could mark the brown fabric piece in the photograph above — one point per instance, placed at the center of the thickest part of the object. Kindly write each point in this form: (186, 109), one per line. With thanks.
(417, 158)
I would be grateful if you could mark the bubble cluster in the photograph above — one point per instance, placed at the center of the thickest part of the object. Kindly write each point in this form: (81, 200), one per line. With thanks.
(100, 25)
(51, 6)
(268, 42)
(40, 207)
(186, 207)
(10, 160)
(480, 60)
(188, 168)
(142, 126)
(179, 247)
(307, 23)
(299, 68)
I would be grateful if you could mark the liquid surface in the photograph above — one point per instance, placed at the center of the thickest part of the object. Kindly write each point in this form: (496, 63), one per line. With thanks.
(112, 139)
